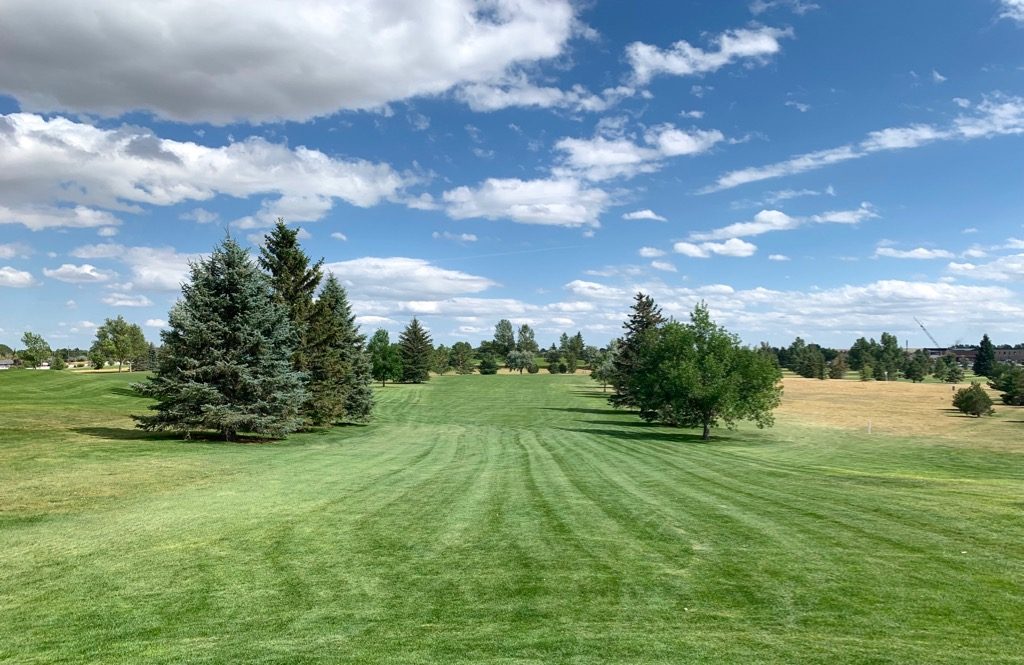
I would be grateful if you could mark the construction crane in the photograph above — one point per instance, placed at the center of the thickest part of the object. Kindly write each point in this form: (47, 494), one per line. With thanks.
(934, 341)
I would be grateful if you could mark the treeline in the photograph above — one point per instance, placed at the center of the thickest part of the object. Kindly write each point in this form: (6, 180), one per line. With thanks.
(117, 342)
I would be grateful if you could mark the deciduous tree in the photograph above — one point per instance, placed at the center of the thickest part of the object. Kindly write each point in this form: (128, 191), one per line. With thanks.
(37, 350)
(385, 358)
(119, 341)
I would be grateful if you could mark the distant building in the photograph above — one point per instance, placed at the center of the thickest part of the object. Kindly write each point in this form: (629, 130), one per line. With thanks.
(6, 364)
(1010, 355)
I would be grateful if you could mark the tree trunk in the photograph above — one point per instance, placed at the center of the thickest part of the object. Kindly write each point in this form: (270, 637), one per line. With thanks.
(229, 435)
(118, 366)
(707, 432)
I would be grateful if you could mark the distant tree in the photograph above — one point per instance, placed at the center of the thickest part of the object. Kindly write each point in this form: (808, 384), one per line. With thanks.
(985, 361)
(948, 369)
(572, 349)
(6, 351)
(1010, 382)
(645, 315)
(36, 351)
(526, 341)
(385, 358)
(867, 372)
(294, 281)
(602, 367)
(440, 360)
(97, 360)
(698, 375)
(533, 369)
(119, 341)
(862, 353)
(225, 361)
(808, 361)
(462, 358)
(504, 338)
(519, 361)
(339, 371)
(488, 364)
(917, 367)
(890, 358)
(973, 401)
(553, 358)
(417, 349)
(58, 363)
(837, 368)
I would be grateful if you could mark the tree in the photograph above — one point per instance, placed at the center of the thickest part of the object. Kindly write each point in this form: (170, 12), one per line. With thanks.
(602, 367)
(119, 341)
(462, 358)
(526, 341)
(519, 361)
(488, 364)
(385, 358)
(36, 351)
(58, 363)
(973, 401)
(225, 364)
(948, 369)
(440, 360)
(504, 338)
(890, 358)
(417, 349)
(338, 368)
(1010, 382)
(553, 357)
(837, 367)
(645, 316)
(985, 361)
(918, 366)
(6, 351)
(294, 282)
(698, 375)
(867, 372)
(572, 349)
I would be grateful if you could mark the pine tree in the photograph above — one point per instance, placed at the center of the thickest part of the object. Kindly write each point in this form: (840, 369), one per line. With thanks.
(526, 341)
(339, 370)
(645, 316)
(462, 358)
(225, 364)
(294, 282)
(504, 338)
(417, 349)
(985, 361)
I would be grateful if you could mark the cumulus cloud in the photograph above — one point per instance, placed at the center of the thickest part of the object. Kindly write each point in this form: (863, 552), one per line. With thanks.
(778, 257)
(156, 268)
(127, 300)
(1013, 10)
(456, 237)
(555, 201)
(195, 61)
(798, 7)
(200, 216)
(59, 173)
(517, 91)
(995, 115)
(83, 274)
(13, 249)
(750, 45)
(665, 266)
(14, 278)
(156, 323)
(646, 213)
(651, 252)
(731, 247)
(1002, 269)
(775, 220)
(402, 277)
(916, 253)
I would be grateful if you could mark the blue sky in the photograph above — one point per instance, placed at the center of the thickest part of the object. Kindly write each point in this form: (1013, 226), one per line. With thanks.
(824, 169)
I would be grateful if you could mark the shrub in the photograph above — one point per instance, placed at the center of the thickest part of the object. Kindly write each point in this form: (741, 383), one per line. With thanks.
(533, 369)
(973, 401)
(488, 365)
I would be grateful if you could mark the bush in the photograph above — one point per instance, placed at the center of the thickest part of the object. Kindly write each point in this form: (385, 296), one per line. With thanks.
(1010, 383)
(973, 401)
(533, 369)
(58, 363)
(488, 365)
(555, 368)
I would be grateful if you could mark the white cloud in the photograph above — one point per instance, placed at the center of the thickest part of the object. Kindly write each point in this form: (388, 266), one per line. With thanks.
(107, 231)
(516, 90)
(157, 268)
(127, 300)
(696, 115)
(937, 77)
(1002, 269)
(14, 278)
(64, 170)
(916, 253)
(663, 265)
(775, 220)
(457, 237)
(731, 247)
(603, 158)
(752, 45)
(83, 274)
(401, 277)
(651, 252)
(552, 201)
(996, 115)
(646, 213)
(1013, 10)
(13, 249)
(71, 304)
(156, 323)
(195, 61)
(200, 216)
(798, 7)
(799, 106)
(338, 235)
(778, 257)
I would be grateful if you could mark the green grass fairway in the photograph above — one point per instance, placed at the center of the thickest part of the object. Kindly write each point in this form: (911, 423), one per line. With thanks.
(501, 519)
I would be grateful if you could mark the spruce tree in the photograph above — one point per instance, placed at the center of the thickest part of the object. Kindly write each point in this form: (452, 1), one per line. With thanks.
(294, 282)
(417, 349)
(985, 361)
(337, 363)
(225, 363)
(645, 316)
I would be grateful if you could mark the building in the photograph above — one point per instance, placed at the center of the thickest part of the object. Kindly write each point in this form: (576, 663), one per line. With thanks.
(6, 364)
(1015, 356)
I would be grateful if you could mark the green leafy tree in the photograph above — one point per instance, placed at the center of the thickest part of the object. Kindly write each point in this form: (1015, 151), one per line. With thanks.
(462, 358)
(519, 361)
(526, 341)
(504, 338)
(603, 365)
(973, 401)
(553, 358)
(985, 361)
(867, 372)
(225, 364)
(488, 364)
(294, 282)
(698, 375)
(337, 364)
(645, 315)
(385, 358)
(37, 350)
(837, 368)
(58, 363)
(6, 351)
(97, 360)
(890, 358)
(1010, 382)
(440, 361)
(417, 349)
(119, 341)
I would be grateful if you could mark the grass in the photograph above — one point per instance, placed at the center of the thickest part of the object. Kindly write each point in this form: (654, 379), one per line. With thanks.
(507, 519)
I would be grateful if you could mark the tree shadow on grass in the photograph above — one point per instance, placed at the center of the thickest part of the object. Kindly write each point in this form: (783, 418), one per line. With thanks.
(655, 433)
(125, 392)
(596, 412)
(133, 434)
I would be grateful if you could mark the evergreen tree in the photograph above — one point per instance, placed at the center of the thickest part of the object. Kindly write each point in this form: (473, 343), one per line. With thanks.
(440, 361)
(385, 359)
(918, 366)
(462, 358)
(1010, 383)
(645, 316)
(985, 361)
(225, 364)
(504, 338)
(336, 361)
(837, 368)
(973, 401)
(417, 349)
(488, 364)
(948, 369)
(294, 282)
(526, 341)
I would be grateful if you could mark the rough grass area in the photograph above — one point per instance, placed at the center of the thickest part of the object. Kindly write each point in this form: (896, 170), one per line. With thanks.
(509, 519)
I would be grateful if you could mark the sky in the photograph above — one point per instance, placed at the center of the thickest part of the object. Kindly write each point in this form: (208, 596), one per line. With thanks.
(816, 168)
